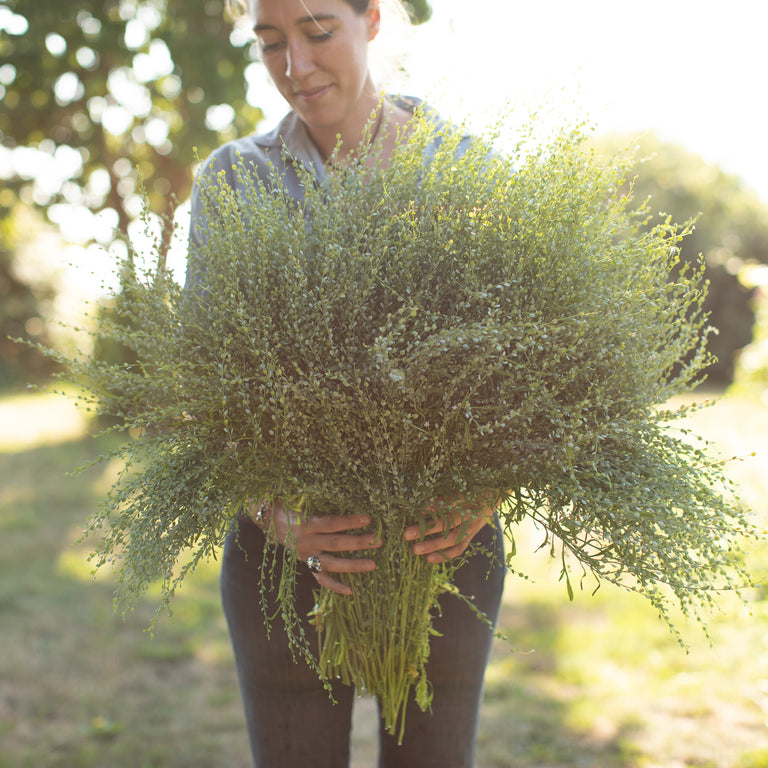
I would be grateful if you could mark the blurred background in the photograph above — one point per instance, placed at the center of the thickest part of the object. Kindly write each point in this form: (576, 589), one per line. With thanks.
(106, 108)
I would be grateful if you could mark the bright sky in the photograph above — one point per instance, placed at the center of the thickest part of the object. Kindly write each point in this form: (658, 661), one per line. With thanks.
(693, 71)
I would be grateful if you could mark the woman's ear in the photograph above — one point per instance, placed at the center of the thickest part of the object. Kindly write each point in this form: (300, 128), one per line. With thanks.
(373, 17)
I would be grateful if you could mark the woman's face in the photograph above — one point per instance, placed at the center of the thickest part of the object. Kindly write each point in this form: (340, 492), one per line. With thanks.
(316, 52)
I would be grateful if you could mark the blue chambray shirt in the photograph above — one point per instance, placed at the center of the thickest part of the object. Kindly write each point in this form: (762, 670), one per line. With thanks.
(282, 150)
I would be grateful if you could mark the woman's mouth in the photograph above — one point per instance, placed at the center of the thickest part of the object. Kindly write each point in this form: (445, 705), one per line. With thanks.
(313, 94)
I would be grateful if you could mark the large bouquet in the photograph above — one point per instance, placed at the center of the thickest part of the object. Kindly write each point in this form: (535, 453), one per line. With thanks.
(457, 328)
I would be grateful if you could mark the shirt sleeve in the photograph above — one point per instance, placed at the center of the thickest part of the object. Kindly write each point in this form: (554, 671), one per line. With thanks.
(216, 170)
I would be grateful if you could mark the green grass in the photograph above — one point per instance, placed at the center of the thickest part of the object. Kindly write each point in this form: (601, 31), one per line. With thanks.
(599, 682)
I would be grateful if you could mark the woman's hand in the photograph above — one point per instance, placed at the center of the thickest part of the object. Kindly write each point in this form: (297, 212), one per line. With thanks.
(314, 539)
(455, 534)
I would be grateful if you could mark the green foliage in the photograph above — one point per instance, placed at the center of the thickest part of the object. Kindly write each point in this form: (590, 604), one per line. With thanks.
(481, 328)
(121, 90)
(731, 231)
(22, 308)
(419, 10)
(752, 366)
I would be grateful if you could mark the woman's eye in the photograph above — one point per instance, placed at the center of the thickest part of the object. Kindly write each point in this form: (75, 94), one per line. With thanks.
(272, 43)
(319, 38)
(272, 46)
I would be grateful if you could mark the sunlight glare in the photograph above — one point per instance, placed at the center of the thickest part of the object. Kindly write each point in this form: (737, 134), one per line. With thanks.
(688, 71)
(39, 419)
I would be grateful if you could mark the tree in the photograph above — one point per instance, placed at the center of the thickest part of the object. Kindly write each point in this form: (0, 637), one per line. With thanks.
(23, 309)
(123, 94)
(752, 368)
(731, 232)
(104, 107)
(126, 94)
(419, 10)
(104, 103)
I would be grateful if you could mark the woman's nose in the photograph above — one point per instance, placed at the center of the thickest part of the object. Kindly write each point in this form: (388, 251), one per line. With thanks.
(298, 62)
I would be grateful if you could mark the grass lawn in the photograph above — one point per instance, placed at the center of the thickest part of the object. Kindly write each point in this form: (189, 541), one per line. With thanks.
(599, 682)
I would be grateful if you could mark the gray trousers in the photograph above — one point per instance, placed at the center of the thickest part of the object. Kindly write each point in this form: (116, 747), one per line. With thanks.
(292, 723)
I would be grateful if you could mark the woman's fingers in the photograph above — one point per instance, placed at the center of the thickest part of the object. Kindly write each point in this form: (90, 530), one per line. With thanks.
(314, 539)
(334, 564)
(342, 542)
(336, 523)
(319, 536)
(330, 564)
(320, 533)
(329, 534)
(447, 554)
(453, 539)
(413, 532)
(438, 543)
(327, 581)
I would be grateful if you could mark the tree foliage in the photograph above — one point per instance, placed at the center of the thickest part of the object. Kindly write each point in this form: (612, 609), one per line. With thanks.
(419, 10)
(124, 92)
(731, 231)
(752, 368)
(102, 104)
(128, 93)
(23, 308)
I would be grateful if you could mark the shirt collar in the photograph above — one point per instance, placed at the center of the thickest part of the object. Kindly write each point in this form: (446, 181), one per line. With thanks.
(291, 136)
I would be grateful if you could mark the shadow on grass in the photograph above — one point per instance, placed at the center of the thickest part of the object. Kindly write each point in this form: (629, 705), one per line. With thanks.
(80, 687)
(527, 717)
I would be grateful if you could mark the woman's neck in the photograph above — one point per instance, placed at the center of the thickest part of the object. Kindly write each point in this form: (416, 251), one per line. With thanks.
(340, 142)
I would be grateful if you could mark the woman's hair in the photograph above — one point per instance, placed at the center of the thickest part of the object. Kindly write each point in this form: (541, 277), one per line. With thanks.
(361, 6)
(239, 8)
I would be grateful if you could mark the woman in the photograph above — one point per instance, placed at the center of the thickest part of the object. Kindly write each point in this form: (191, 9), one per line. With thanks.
(316, 52)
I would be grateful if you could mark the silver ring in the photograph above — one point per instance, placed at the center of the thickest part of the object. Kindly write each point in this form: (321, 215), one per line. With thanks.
(313, 561)
(259, 514)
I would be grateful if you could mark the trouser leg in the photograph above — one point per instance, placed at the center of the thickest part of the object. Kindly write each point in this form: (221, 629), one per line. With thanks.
(291, 720)
(445, 736)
